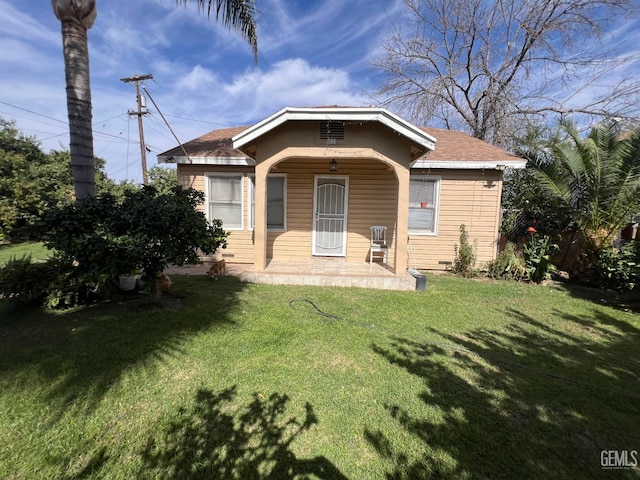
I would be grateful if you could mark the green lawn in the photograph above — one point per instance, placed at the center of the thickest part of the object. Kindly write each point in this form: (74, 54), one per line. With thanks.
(468, 379)
(37, 251)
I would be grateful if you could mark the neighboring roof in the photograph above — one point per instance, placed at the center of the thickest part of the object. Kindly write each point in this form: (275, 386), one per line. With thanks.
(452, 150)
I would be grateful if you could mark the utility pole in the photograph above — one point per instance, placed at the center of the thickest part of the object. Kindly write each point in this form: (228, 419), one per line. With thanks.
(136, 79)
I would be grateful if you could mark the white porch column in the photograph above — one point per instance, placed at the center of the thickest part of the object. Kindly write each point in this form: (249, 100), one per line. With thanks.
(260, 226)
(402, 219)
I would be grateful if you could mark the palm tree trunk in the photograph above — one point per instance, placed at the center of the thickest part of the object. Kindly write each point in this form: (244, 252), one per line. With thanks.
(76, 66)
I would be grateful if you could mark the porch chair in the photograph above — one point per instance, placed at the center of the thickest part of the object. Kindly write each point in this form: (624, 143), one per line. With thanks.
(378, 243)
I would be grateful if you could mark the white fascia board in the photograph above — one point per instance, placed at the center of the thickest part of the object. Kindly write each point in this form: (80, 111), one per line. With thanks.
(228, 161)
(353, 114)
(470, 164)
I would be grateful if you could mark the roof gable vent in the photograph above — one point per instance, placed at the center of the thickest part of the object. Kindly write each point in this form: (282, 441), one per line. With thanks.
(332, 130)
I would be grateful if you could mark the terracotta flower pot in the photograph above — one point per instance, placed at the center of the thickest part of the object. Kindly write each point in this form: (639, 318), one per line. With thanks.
(423, 204)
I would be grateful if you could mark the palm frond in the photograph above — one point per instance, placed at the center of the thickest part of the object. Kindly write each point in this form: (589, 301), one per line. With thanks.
(597, 176)
(236, 15)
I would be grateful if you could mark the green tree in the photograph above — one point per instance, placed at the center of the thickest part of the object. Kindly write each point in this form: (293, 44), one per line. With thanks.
(32, 181)
(24, 171)
(525, 201)
(164, 180)
(104, 236)
(596, 179)
(76, 18)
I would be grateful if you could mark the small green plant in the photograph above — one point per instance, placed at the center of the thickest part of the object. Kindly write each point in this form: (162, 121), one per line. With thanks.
(619, 269)
(465, 255)
(508, 264)
(24, 281)
(537, 256)
(55, 283)
(516, 268)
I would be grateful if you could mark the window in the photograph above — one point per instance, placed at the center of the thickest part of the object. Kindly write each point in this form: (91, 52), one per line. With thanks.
(276, 202)
(224, 198)
(423, 205)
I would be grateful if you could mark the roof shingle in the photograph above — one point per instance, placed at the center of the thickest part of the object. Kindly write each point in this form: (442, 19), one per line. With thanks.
(450, 146)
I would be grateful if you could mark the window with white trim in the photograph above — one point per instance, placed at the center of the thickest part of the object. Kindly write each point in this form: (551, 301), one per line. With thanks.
(423, 204)
(224, 199)
(276, 202)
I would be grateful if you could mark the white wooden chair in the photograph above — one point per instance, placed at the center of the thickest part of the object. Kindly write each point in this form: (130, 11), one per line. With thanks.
(378, 243)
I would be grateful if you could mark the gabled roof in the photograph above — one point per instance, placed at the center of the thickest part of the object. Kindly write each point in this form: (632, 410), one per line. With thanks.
(421, 138)
(453, 149)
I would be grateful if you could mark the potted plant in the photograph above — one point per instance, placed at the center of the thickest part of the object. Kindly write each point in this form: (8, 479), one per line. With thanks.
(129, 281)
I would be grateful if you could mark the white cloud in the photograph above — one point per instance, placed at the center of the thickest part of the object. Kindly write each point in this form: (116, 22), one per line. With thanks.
(20, 25)
(198, 78)
(292, 82)
(311, 53)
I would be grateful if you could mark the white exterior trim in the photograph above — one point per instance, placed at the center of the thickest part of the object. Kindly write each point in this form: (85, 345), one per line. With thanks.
(251, 177)
(470, 164)
(437, 179)
(228, 161)
(354, 114)
(207, 197)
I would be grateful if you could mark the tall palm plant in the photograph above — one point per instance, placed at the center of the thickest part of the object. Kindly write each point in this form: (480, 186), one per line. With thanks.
(597, 178)
(77, 17)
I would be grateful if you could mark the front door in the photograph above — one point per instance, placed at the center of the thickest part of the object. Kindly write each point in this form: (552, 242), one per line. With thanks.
(330, 216)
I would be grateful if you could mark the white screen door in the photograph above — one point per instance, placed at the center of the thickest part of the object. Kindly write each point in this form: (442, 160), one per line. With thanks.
(330, 216)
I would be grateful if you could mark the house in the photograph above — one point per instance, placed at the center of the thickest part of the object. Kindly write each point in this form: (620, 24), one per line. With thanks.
(310, 182)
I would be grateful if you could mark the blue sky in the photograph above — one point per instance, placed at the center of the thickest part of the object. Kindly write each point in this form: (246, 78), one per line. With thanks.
(311, 52)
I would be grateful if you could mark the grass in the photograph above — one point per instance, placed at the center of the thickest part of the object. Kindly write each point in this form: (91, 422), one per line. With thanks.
(468, 379)
(37, 251)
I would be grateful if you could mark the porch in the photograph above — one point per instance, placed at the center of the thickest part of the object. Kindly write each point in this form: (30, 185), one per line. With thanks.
(318, 271)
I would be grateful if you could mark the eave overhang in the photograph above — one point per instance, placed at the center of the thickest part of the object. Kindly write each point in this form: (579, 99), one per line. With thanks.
(421, 141)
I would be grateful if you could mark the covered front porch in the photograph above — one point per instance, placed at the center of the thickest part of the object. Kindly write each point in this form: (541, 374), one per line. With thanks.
(344, 171)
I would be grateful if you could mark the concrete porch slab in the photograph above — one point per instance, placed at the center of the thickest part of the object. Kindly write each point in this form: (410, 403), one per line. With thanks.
(329, 272)
(317, 271)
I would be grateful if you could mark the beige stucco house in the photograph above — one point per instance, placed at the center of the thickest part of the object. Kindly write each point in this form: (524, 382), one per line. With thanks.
(310, 182)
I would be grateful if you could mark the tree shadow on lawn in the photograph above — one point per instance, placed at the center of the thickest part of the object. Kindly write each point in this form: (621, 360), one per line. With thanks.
(79, 355)
(216, 439)
(531, 401)
(625, 301)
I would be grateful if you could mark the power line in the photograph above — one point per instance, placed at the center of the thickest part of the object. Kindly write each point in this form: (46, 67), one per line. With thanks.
(168, 126)
(34, 113)
(200, 121)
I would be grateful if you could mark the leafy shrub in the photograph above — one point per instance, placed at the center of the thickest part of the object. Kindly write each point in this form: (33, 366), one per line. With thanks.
(619, 269)
(508, 264)
(71, 287)
(54, 283)
(537, 256)
(24, 281)
(465, 255)
(106, 236)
